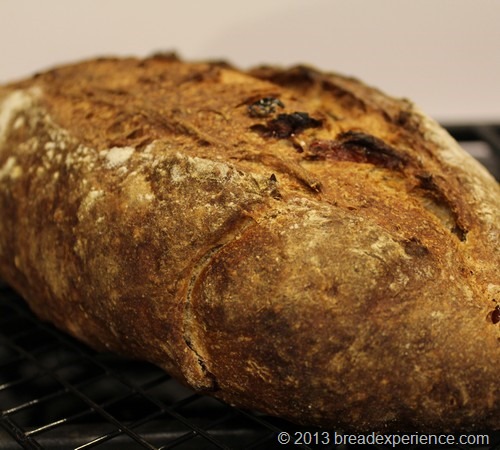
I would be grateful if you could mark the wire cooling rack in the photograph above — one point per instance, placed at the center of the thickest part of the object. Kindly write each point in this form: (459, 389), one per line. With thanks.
(58, 394)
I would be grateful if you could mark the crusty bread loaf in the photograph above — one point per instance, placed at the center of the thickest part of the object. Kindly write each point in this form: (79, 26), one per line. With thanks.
(286, 240)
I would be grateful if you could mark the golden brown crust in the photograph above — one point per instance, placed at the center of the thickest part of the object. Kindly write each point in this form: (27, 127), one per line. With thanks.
(287, 240)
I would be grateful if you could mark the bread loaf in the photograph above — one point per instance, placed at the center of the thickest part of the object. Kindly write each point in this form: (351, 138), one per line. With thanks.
(286, 240)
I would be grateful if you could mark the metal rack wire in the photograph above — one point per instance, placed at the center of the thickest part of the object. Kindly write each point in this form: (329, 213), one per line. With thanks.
(56, 393)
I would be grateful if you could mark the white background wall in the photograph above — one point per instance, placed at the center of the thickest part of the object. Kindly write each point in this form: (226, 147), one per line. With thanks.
(443, 54)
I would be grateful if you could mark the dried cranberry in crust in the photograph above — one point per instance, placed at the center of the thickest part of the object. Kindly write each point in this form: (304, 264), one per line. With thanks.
(286, 125)
(358, 147)
(296, 122)
(495, 315)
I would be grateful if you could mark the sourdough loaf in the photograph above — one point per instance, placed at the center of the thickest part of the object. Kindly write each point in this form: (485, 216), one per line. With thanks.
(284, 239)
